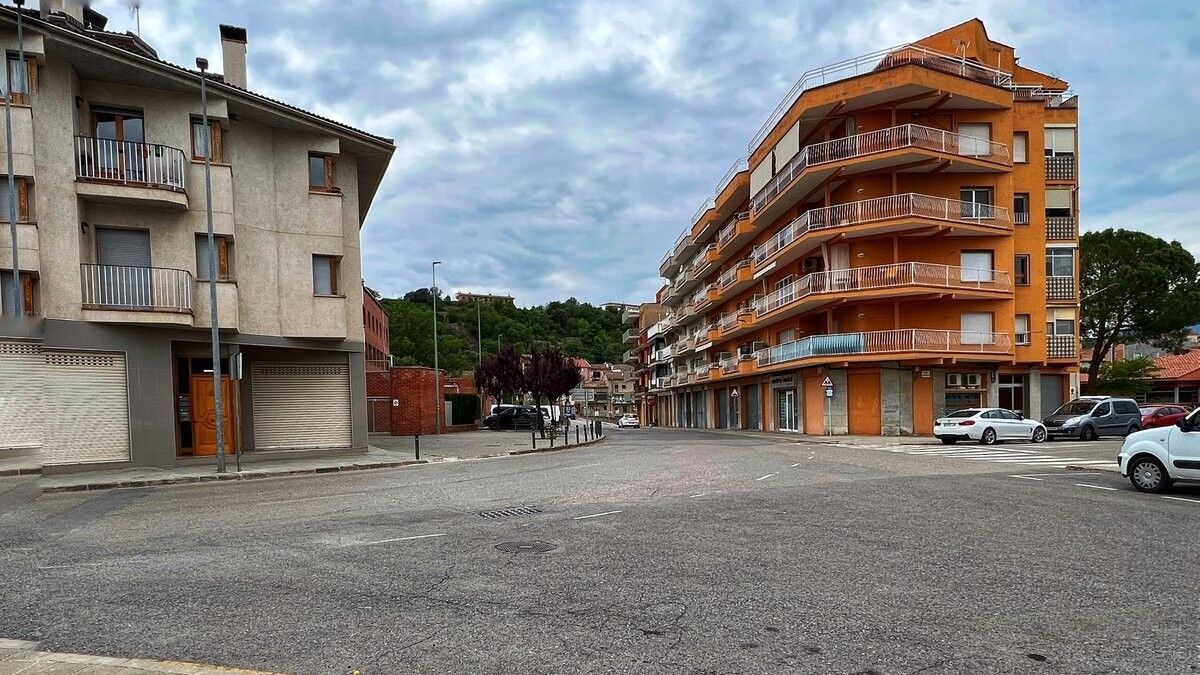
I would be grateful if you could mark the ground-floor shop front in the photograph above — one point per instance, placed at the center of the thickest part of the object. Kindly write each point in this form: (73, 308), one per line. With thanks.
(869, 399)
(105, 396)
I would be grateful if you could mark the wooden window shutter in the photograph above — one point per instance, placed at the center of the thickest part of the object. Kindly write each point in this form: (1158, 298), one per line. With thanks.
(31, 75)
(27, 292)
(329, 166)
(222, 258)
(22, 199)
(218, 151)
(333, 275)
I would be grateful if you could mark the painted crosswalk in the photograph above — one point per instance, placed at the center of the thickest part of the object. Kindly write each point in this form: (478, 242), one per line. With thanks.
(1017, 456)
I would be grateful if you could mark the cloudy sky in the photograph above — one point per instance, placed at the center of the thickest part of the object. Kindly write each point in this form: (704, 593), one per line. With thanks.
(551, 149)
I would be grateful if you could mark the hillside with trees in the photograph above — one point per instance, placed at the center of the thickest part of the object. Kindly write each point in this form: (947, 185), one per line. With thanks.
(576, 328)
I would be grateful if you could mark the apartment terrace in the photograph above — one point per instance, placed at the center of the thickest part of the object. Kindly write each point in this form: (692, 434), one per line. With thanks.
(908, 213)
(735, 279)
(129, 172)
(900, 344)
(908, 148)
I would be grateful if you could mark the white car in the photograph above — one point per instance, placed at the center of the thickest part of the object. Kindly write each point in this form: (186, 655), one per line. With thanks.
(988, 426)
(629, 420)
(1153, 459)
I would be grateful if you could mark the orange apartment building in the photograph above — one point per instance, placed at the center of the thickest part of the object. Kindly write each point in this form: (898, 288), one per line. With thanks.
(894, 233)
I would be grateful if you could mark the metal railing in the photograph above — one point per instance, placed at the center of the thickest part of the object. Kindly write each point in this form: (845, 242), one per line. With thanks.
(708, 204)
(701, 258)
(156, 289)
(1060, 167)
(726, 233)
(1036, 92)
(885, 342)
(1060, 288)
(883, 208)
(871, 142)
(734, 169)
(729, 365)
(629, 335)
(1021, 218)
(108, 160)
(730, 276)
(1061, 228)
(887, 58)
(1061, 346)
(893, 275)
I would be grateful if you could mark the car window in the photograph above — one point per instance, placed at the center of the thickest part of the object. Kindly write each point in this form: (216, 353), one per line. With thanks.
(1008, 414)
(1076, 408)
(1126, 407)
(1172, 411)
(1150, 410)
(1102, 410)
(959, 414)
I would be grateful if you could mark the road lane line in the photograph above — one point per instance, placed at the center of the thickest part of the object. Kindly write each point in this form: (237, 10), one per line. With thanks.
(1184, 499)
(766, 476)
(796, 465)
(1096, 487)
(309, 499)
(1026, 477)
(389, 541)
(697, 495)
(596, 515)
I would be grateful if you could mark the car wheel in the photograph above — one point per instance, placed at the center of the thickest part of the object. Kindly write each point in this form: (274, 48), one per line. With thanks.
(1148, 475)
(949, 441)
(1133, 428)
(988, 437)
(1039, 435)
(1087, 434)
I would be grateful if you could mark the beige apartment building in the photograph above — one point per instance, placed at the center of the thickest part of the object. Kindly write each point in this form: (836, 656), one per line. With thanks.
(111, 366)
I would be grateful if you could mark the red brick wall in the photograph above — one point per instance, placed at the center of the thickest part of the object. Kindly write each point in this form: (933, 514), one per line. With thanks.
(375, 329)
(413, 388)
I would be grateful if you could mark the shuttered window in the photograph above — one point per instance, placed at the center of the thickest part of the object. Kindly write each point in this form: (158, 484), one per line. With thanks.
(224, 247)
(976, 328)
(21, 382)
(128, 248)
(86, 402)
(325, 275)
(22, 186)
(301, 405)
(1020, 149)
(1060, 141)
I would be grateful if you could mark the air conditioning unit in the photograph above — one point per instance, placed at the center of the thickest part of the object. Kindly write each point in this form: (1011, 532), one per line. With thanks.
(954, 380)
(973, 380)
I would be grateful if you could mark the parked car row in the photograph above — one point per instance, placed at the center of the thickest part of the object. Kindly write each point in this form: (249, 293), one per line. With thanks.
(1086, 418)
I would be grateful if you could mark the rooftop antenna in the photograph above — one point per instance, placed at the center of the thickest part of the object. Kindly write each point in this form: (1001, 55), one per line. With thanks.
(960, 46)
(134, 7)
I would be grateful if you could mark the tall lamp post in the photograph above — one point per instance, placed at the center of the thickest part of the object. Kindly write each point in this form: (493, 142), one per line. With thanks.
(218, 398)
(437, 374)
(18, 295)
(479, 332)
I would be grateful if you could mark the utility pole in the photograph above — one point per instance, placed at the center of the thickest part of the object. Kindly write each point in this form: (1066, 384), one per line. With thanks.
(18, 295)
(479, 332)
(218, 398)
(437, 374)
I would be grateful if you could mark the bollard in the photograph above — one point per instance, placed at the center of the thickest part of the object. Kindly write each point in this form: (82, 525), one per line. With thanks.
(417, 445)
(533, 440)
(576, 435)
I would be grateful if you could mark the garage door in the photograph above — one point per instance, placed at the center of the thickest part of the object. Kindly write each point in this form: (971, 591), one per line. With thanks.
(86, 408)
(301, 405)
(20, 395)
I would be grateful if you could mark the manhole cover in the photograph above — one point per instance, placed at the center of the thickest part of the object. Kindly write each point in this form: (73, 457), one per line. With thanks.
(515, 511)
(526, 546)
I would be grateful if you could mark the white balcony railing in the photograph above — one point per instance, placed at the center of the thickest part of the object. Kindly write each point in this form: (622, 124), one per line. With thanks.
(887, 342)
(702, 257)
(894, 275)
(708, 204)
(729, 276)
(107, 160)
(883, 208)
(886, 58)
(155, 289)
(871, 142)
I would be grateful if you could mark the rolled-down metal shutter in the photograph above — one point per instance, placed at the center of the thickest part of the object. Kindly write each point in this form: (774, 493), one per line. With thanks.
(21, 366)
(86, 408)
(301, 405)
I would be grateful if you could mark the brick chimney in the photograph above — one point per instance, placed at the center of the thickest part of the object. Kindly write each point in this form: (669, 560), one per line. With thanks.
(233, 55)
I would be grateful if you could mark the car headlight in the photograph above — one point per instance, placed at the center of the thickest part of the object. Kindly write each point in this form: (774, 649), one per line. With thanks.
(1072, 422)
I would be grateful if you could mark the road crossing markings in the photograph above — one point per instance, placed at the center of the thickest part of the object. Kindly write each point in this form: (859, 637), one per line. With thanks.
(596, 515)
(1096, 487)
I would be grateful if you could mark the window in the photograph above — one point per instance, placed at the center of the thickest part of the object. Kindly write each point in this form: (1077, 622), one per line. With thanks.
(1021, 208)
(321, 173)
(976, 139)
(1125, 407)
(1021, 329)
(23, 201)
(976, 328)
(1058, 203)
(976, 202)
(325, 274)
(1059, 326)
(207, 142)
(976, 265)
(1060, 262)
(1021, 147)
(1021, 269)
(9, 289)
(22, 76)
(1102, 410)
(1060, 141)
(224, 247)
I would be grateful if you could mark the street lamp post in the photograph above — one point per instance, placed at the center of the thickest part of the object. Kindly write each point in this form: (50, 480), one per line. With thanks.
(479, 332)
(218, 398)
(18, 296)
(437, 375)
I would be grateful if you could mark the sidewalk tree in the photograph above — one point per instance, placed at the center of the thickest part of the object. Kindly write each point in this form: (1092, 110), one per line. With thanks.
(502, 375)
(1126, 378)
(1134, 288)
(550, 374)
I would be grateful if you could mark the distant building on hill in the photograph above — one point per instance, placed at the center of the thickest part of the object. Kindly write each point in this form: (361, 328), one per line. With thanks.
(486, 298)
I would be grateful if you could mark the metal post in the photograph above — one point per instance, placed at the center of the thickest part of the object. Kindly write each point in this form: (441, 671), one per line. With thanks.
(218, 399)
(532, 439)
(576, 435)
(437, 374)
(18, 296)
(479, 332)
(417, 444)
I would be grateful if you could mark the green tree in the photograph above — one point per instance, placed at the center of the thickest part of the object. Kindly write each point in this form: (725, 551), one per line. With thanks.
(1125, 378)
(1134, 287)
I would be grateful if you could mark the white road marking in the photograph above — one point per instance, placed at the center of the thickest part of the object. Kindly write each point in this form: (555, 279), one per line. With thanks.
(1034, 461)
(70, 565)
(581, 466)
(1096, 462)
(796, 465)
(1026, 477)
(697, 495)
(596, 515)
(766, 476)
(309, 499)
(1096, 487)
(1183, 499)
(389, 541)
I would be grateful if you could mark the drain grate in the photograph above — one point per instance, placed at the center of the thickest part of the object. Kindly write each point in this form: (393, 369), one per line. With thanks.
(526, 546)
(515, 511)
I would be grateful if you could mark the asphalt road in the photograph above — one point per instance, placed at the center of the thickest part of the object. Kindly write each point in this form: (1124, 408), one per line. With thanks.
(673, 552)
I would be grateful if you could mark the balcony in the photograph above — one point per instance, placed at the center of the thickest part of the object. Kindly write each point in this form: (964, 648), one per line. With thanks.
(630, 356)
(735, 279)
(1021, 218)
(125, 172)
(918, 342)
(896, 280)
(685, 281)
(630, 314)
(736, 232)
(705, 261)
(1060, 167)
(906, 146)
(1062, 228)
(139, 294)
(630, 335)
(894, 57)
(1062, 347)
(1060, 288)
(911, 212)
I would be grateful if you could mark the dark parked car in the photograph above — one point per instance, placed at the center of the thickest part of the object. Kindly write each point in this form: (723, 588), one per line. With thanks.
(523, 416)
(1092, 417)
(1161, 415)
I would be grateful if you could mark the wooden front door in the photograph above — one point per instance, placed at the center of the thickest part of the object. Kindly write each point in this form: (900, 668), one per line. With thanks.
(204, 415)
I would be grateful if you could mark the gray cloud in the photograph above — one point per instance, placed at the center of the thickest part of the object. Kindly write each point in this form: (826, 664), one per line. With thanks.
(548, 149)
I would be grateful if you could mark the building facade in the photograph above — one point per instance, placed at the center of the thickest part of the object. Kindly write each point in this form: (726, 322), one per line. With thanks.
(113, 363)
(892, 247)
(376, 332)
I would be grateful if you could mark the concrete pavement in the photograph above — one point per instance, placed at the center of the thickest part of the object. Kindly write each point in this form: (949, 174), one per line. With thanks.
(21, 657)
(657, 551)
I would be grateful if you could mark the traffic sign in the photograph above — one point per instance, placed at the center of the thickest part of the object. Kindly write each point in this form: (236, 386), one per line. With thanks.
(734, 393)
(827, 383)
(828, 392)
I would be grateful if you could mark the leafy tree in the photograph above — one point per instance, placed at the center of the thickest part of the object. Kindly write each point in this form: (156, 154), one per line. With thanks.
(550, 374)
(502, 375)
(1135, 287)
(1126, 378)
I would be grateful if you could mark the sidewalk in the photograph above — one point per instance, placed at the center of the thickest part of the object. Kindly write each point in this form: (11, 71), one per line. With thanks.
(18, 656)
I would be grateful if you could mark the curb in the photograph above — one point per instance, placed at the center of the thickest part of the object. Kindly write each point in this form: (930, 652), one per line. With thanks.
(31, 471)
(531, 451)
(1106, 469)
(244, 475)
